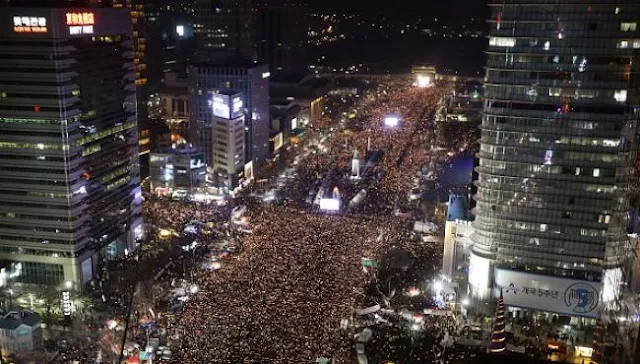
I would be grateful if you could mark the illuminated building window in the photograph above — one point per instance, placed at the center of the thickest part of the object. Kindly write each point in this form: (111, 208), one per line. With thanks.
(596, 172)
(620, 95)
(628, 27)
(90, 150)
(502, 42)
(623, 44)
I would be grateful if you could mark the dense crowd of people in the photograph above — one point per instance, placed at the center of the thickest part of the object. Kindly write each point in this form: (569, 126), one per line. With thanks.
(283, 297)
(405, 146)
(172, 214)
(299, 274)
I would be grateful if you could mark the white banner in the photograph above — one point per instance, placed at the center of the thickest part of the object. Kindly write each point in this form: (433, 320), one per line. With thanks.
(545, 293)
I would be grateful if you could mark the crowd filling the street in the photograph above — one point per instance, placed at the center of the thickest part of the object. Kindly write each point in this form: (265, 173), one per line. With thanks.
(298, 274)
(269, 277)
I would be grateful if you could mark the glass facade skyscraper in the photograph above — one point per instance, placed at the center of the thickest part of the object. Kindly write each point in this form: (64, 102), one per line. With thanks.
(558, 130)
(70, 194)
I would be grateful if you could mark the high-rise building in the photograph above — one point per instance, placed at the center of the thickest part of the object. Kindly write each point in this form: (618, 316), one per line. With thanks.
(282, 38)
(70, 194)
(558, 128)
(136, 9)
(224, 30)
(139, 38)
(252, 82)
(170, 44)
(228, 139)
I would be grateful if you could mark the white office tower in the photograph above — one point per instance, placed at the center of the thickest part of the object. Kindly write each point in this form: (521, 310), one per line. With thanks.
(228, 140)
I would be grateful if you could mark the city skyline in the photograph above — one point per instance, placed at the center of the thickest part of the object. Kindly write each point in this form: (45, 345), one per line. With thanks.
(296, 181)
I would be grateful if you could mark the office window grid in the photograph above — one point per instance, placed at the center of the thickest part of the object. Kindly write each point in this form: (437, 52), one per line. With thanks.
(557, 135)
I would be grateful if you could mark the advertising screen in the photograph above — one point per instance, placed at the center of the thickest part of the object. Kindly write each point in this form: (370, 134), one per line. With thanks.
(278, 141)
(248, 170)
(221, 107)
(197, 161)
(546, 293)
(330, 204)
(228, 107)
(236, 107)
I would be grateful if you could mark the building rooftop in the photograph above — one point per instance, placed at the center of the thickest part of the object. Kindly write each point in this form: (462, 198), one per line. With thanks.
(229, 92)
(182, 149)
(230, 64)
(12, 319)
(308, 89)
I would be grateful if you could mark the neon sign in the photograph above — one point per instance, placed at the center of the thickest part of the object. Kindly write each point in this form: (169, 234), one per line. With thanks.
(29, 24)
(81, 29)
(80, 19)
(80, 23)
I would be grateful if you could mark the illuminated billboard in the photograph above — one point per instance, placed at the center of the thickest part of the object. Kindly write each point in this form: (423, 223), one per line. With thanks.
(278, 140)
(29, 24)
(552, 294)
(225, 106)
(248, 170)
(330, 204)
(236, 107)
(221, 106)
(80, 23)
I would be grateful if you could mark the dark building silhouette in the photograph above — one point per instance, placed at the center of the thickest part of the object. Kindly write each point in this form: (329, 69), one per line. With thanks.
(281, 38)
(224, 30)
